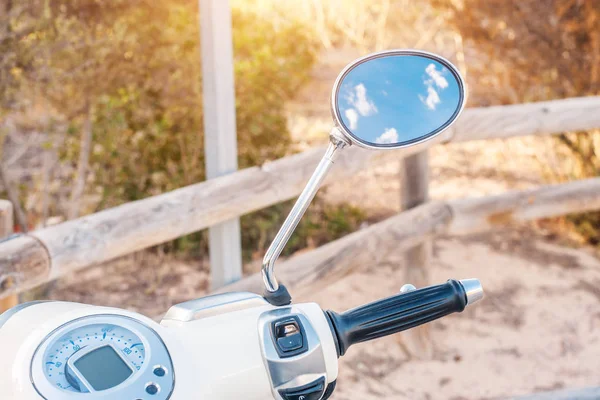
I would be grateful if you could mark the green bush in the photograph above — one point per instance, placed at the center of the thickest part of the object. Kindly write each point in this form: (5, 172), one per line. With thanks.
(132, 68)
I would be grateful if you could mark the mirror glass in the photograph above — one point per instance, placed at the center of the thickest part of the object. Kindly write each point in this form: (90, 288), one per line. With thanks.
(396, 99)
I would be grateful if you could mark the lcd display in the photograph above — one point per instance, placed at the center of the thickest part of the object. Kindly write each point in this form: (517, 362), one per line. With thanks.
(103, 368)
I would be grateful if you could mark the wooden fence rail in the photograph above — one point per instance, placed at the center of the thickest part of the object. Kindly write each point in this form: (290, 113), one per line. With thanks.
(48, 253)
(6, 229)
(316, 269)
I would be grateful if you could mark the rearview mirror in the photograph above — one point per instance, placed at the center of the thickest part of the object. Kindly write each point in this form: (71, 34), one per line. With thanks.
(396, 98)
(386, 100)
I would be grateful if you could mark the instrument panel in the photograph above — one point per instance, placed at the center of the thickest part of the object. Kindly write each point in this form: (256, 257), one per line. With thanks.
(103, 356)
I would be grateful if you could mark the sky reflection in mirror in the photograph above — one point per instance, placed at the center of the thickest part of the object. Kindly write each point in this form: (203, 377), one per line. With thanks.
(397, 99)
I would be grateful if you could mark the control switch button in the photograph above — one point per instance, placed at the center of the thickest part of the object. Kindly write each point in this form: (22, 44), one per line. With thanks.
(290, 343)
(312, 391)
(289, 337)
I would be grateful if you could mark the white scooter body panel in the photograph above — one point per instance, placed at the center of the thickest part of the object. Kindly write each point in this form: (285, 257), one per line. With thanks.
(217, 357)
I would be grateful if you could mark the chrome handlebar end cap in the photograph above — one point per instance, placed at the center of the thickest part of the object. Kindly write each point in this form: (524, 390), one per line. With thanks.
(473, 289)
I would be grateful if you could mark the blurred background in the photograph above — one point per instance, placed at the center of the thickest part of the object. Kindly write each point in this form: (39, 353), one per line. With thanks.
(101, 104)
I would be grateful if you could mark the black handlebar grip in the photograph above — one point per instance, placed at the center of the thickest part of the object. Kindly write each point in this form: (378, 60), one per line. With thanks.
(397, 313)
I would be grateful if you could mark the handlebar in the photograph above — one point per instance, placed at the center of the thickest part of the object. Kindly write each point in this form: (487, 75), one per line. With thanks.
(294, 344)
(403, 311)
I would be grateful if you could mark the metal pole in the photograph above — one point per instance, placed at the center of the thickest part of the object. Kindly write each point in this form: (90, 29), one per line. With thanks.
(220, 140)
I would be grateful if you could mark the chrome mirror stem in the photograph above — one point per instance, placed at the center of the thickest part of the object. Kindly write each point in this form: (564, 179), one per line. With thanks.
(292, 220)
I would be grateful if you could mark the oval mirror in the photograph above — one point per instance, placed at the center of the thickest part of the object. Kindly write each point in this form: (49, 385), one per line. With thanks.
(397, 98)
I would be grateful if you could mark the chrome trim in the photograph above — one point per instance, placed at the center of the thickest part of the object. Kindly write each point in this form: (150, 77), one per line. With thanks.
(408, 287)
(213, 305)
(296, 214)
(334, 94)
(295, 371)
(338, 138)
(473, 290)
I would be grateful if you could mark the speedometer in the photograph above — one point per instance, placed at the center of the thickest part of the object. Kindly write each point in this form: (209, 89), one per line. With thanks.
(126, 344)
(104, 356)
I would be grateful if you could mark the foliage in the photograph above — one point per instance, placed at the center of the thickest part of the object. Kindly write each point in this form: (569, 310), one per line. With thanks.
(134, 68)
(362, 25)
(148, 121)
(17, 52)
(532, 50)
(529, 50)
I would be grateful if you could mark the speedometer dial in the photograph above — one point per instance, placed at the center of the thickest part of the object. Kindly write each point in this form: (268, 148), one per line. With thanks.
(129, 346)
(103, 357)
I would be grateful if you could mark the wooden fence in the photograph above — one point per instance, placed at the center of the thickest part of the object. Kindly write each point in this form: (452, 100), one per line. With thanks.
(46, 254)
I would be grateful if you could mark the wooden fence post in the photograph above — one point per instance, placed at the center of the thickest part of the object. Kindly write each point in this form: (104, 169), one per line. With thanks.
(220, 139)
(6, 229)
(414, 176)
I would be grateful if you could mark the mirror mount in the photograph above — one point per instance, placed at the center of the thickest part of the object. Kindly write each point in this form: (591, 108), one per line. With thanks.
(337, 138)
(275, 293)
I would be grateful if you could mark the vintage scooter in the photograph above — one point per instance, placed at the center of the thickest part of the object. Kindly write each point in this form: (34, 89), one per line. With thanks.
(244, 345)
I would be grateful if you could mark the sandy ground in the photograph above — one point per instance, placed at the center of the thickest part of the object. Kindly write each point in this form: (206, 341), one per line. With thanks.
(536, 329)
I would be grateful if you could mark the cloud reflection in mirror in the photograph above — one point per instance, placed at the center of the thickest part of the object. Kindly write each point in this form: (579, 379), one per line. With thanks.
(432, 99)
(389, 136)
(436, 76)
(357, 98)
